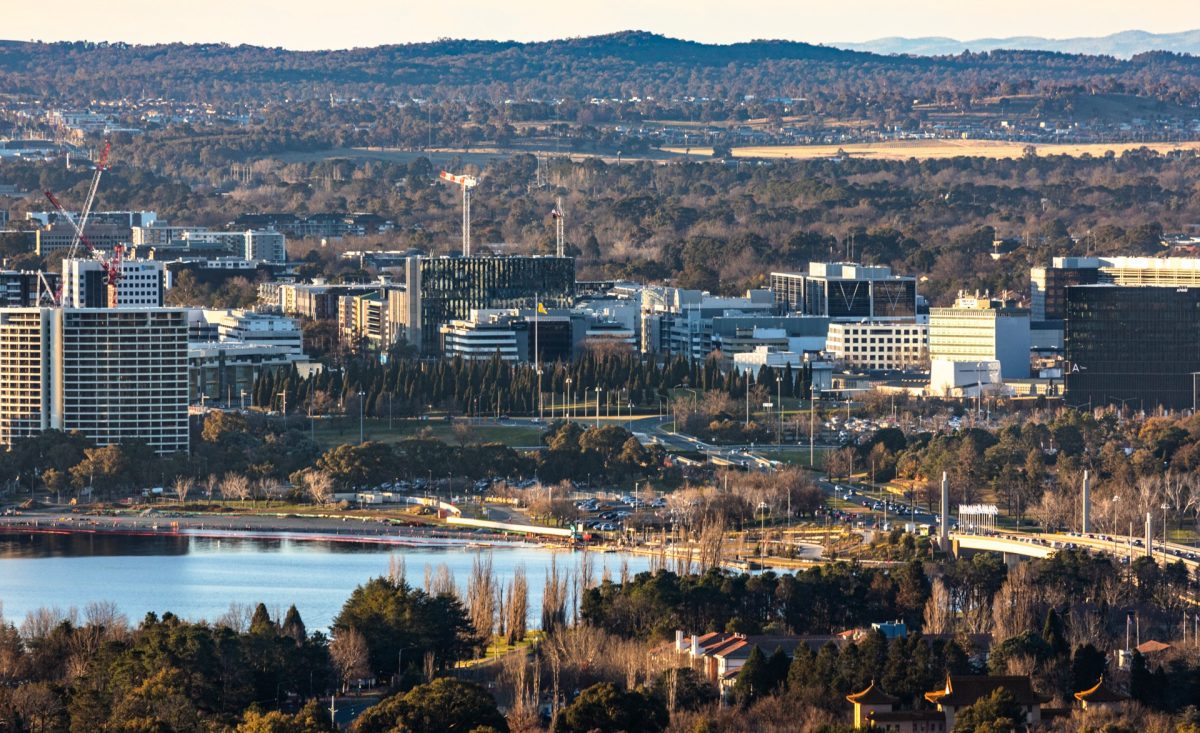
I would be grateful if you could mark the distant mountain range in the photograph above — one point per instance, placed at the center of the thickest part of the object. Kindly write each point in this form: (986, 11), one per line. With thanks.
(1125, 44)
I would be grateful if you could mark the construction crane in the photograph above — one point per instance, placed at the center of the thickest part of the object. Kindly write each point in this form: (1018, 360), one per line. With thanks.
(466, 183)
(559, 225)
(111, 264)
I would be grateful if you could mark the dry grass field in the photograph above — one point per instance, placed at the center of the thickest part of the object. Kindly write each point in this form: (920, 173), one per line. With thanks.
(904, 150)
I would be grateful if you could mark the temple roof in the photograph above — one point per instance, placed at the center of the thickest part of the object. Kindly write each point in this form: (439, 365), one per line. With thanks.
(872, 696)
(1100, 693)
(963, 690)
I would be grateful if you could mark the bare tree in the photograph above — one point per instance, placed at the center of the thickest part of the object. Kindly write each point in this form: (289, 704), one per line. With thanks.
(211, 484)
(235, 486)
(397, 569)
(318, 485)
(554, 599)
(1014, 609)
(481, 597)
(182, 486)
(518, 605)
(350, 655)
(939, 617)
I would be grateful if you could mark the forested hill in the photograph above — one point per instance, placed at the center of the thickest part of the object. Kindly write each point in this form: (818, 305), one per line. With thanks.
(621, 65)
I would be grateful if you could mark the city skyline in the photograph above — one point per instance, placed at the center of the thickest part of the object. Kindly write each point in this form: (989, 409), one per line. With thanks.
(373, 22)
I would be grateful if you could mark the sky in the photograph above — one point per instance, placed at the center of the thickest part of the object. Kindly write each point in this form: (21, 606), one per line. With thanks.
(321, 24)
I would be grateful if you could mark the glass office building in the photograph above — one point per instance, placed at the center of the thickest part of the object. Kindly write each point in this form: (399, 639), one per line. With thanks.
(443, 289)
(846, 292)
(1132, 346)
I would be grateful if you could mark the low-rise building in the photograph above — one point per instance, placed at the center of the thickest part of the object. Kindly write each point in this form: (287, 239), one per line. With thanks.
(879, 345)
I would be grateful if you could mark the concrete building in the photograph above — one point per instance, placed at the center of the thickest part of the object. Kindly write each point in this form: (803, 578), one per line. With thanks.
(115, 375)
(879, 346)
(370, 319)
(949, 378)
(264, 246)
(224, 372)
(59, 236)
(318, 301)
(766, 356)
(242, 326)
(479, 339)
(85, 284)
(846, 291)
(979, 328)
(677, 321)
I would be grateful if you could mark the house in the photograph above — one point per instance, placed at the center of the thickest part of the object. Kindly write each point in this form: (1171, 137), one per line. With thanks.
(1100, 697)
(961, 691)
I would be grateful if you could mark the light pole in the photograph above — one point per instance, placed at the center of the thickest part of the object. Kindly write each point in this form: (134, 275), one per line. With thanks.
(361, 433)
(1165, 507)
(283, 409)
(779, 400)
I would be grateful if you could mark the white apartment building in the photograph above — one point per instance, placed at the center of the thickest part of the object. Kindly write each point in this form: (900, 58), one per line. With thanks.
(85, 284)
(980, 329)
(879, 346)
(115, 375)
(265, 246)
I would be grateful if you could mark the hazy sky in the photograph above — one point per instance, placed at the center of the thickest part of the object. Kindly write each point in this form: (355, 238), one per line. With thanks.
(310, 24)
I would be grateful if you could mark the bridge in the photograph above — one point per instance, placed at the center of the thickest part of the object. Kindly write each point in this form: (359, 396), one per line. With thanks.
(1014, 545)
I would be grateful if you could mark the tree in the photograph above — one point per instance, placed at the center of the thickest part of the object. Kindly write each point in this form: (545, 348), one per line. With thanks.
(996, 713)
(312, 718)
(235, 486)
(182, 485)
(317, 484)
(605, 708)
(446, 704)
(754, 679)
(350, 655)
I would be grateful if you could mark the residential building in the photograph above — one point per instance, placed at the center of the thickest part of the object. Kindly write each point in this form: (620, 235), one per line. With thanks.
(125, 219)
(367, 319)
(1136, 346)
(439, 290)
(879, 345)
(264, 246)
(979, 328)
(318, 301)
(846, 291)
(115, 375)
(85, 284)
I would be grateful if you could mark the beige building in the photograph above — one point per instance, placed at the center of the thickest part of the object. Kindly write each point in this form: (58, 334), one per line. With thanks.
(879, 346)
(115, 375)
(979, 329)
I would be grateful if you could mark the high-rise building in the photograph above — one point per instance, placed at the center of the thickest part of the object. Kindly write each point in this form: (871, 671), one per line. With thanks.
(114, 375)
(265, 246)
(85, 284)
(1048, 285)
(442, 289)
(979, 329)
(846, 291)
(1133, 346)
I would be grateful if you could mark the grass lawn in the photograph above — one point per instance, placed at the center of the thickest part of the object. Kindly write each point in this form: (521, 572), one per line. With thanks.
(338, 430)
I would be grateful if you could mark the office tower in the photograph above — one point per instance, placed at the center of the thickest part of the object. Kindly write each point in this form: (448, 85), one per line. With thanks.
(980, 329)
(1132, 346)
(442, 289)
(847, 291)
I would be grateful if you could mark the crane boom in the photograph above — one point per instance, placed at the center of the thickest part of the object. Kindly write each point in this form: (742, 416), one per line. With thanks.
(466, 183)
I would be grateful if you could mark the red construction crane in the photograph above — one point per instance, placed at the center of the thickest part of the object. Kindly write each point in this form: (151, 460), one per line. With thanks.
(111, 263)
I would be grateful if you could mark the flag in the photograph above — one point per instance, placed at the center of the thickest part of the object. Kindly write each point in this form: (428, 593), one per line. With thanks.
(542, 310)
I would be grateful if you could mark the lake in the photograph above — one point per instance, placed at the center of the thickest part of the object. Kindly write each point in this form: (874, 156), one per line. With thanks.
(199, 578)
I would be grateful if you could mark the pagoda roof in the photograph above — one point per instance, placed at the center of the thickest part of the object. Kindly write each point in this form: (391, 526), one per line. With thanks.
(1100, 692)
(872, 696)
(963, 690)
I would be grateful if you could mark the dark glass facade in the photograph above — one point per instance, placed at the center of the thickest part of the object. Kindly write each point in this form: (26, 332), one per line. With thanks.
(1136, 346)
(452, 286)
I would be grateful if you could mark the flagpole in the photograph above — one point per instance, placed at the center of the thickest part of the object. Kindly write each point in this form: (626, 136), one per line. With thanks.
(537, 354)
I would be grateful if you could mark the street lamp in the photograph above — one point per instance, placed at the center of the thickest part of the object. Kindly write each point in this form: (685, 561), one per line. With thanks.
(360, 416)
(1165, 507)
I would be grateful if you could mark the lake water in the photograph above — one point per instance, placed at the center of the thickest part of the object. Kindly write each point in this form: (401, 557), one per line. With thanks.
(197, 578)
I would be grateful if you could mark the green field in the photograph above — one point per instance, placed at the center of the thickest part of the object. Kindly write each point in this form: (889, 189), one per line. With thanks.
(339, 430)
